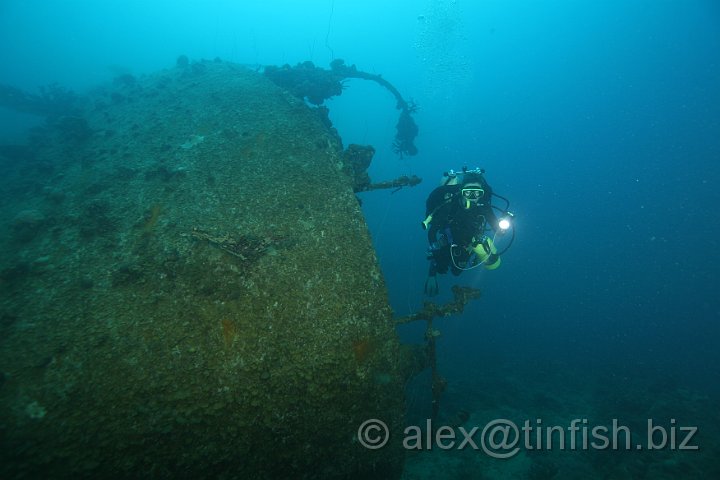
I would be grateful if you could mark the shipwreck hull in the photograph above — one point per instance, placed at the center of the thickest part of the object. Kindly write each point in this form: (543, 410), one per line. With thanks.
(189, 290)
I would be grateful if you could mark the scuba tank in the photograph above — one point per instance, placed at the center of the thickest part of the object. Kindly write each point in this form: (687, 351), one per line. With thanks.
(487, 254)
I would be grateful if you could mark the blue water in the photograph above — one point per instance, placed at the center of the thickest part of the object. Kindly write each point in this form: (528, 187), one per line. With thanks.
(600, 121)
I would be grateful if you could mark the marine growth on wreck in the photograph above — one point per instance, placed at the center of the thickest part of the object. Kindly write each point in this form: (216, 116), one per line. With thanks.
(172, 295)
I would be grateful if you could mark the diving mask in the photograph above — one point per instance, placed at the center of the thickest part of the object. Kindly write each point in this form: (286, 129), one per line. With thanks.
(473, 193)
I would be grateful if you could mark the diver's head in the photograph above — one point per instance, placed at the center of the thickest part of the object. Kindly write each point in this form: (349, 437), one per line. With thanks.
(471, 193)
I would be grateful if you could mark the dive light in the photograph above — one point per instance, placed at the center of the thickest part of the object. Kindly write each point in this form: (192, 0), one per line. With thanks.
(505, 222)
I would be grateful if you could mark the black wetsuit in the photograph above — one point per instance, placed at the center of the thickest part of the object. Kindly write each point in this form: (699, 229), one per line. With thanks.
(452, 224)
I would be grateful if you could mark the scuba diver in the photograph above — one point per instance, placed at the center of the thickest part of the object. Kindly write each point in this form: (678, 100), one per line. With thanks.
(459, 217)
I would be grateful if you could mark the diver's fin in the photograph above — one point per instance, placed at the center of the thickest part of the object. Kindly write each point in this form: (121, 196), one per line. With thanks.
(431, 283)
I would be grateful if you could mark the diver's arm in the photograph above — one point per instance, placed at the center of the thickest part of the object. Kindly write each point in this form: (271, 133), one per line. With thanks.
(440, 219)
(431, 233)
